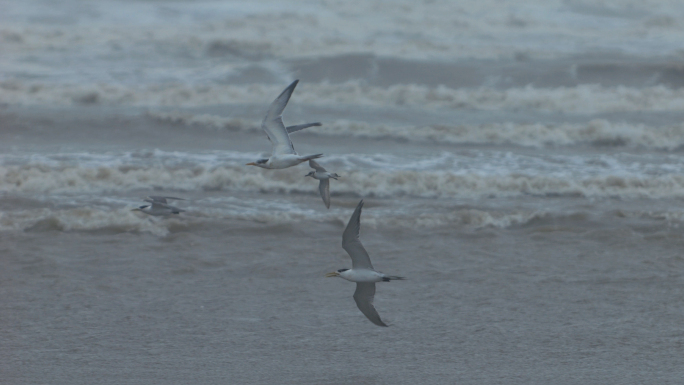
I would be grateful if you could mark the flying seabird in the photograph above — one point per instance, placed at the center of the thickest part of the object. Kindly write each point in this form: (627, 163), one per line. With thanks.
(159, 206)
(324, 177)
(283, 154)
(362, 271)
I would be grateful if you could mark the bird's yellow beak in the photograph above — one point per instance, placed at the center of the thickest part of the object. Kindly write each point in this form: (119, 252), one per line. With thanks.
(251, 164)
(333, 274)
(135, 210)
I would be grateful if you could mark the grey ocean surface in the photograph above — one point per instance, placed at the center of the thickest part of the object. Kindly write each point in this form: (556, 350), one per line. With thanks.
(521, 163)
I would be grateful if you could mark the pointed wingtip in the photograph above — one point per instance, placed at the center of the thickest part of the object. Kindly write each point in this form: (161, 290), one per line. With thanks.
(357, 214)
(288, 90)
(379, 322)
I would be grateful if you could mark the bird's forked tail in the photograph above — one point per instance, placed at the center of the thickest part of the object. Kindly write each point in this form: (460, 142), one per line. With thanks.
(307, 158)
(392, 278)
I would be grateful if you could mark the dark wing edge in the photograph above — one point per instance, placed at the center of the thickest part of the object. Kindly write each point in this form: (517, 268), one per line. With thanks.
(313, 164)
(351, 243)
(298, 127)
(275, 111)
(364, 294)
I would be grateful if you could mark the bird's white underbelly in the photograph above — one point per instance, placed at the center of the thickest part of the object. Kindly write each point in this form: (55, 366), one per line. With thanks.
(157, 213)
(361, 275)
(321, 175)
(284, 161)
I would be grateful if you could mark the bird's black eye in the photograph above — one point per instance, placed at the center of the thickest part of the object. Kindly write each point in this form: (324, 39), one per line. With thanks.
(341, 270)
(260, 161)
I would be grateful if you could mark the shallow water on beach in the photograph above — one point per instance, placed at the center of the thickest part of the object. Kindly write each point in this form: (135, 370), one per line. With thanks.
(521, 165)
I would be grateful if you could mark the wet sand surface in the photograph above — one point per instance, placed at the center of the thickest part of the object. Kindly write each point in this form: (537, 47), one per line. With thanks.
(249, 303)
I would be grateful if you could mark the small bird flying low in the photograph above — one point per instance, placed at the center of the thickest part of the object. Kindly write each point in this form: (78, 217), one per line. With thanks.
(362, 271)
(159, 206)
(324, 177)
(283, 154)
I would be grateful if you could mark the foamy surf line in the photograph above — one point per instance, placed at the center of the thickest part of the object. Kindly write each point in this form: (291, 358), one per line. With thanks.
(122, 220)
(470, 180)
(264, 29)
(198, 218)
(118, 220)
(587, 98)
(597, 132)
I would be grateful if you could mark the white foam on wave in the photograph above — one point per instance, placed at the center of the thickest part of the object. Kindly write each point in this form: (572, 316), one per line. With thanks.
(115, 215)
(587, 98)
(599, 132)
(480, 29)
(205, 120)
(82, 219)
(465, 174)
(113, 220)
(471, 218)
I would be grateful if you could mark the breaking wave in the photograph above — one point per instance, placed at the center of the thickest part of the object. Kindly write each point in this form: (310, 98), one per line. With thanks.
(254, 31)
(209, 217)
(418, 179)
(597, 132)
(587, 98)
(81, 219)
(119, 220)
(123, 220)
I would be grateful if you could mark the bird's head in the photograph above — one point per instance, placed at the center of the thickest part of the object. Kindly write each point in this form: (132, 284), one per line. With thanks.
(311, 174)
(140, 208)
(336, 273)
(259, 163)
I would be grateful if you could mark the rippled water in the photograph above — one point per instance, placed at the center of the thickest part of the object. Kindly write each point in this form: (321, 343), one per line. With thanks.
(521, 164)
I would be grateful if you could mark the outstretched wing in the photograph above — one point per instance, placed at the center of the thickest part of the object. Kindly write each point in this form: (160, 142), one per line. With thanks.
(291, 129)
(365, 291)
(324, 189)
(174, 209)
(160, 206)
(313, 164)
(351, 243)
(273, 123)
(160, 199)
